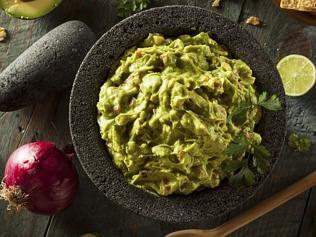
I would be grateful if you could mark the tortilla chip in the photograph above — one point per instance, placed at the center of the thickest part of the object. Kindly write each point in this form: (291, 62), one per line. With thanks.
(3, 34)
(289, 4)
(216, 3)
(300, 5)
(308, 4)
(310, 10)
(253, 20)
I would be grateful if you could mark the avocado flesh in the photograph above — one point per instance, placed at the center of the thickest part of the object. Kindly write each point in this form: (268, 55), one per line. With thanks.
(28, 9)
(166, 113)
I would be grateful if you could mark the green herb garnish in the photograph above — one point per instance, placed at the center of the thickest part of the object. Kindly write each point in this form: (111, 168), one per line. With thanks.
(128, 7)
(273, 103)
(299, 143)
(259, 158)
(237, 147)
(238, 113)
(238, 171)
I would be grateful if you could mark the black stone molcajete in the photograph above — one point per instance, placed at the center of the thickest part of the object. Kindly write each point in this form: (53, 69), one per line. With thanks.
(171, 21)
(49, 65)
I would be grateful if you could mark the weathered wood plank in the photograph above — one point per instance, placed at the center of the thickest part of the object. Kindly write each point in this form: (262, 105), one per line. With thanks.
(12, 133)
(92, 212)
(159, 3)
(105, 215)
(308, 227)
(47, 121)
(230, 9)
(279, 38)
(4, 22)
(17, 128)
(96, 13)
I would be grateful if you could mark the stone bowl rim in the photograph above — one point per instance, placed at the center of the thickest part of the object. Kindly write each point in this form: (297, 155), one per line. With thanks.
(97, 172)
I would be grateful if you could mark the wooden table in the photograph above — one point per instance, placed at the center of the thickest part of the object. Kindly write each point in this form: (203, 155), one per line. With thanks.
(91, 211)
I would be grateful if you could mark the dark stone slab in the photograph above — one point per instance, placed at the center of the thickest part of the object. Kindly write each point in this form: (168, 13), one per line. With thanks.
(49, 65)
(171, 21)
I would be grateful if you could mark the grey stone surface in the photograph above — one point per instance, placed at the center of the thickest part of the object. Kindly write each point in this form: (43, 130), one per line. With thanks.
(208, 204)
(49, 65)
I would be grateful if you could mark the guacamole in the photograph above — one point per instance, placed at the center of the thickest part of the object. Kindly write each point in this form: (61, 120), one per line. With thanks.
(166, 112)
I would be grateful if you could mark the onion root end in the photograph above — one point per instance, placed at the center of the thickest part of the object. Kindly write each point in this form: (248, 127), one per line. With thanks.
(14, 196)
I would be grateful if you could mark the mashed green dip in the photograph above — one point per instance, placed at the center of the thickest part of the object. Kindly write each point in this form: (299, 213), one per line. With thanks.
(166, 111)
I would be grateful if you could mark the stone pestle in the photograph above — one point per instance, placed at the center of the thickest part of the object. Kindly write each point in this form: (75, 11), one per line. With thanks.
(48, 66)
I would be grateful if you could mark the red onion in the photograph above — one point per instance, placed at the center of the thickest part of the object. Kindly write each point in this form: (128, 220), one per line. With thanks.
(39, 177)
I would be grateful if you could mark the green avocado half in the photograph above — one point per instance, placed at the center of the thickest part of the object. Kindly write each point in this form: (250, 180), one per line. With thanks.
(28, 9)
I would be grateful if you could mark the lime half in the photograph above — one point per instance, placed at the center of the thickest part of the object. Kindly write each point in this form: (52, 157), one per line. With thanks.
(298, 74)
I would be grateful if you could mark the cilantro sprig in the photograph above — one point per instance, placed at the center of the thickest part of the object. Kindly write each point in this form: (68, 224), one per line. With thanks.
(273, 103)
(239, 172)
(299, 143)
(259, 158)
(238, 114)
(239, 146)
(126, 8)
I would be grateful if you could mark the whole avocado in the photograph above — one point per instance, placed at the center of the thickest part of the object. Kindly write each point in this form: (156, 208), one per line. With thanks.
(49, 65)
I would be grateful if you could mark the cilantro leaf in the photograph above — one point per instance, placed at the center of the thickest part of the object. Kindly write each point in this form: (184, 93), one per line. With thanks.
(259, 161)
(261, 151)
(243, 177)
(237, 179)
(231, 166)
(238, 172)
(248, 176)
(126, 8)
(299, 143)
(240, 176)
(238, 113)
(273, 103)
(238, 146)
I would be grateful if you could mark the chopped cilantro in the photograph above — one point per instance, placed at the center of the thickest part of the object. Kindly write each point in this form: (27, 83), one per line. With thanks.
(299, 143)
(238, 171)
(273, 103)
(128, 7)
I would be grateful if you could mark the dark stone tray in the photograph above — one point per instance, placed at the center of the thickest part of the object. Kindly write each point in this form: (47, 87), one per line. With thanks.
(171, 21)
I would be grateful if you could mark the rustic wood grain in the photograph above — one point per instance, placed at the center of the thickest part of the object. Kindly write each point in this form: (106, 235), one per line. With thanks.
(12, 132)
(92, 212)
(308, 227)
(106, 215)
(18, 127)
(29, 125)
(102, 222)
(306, 17)
(47, 121)
(230, 9)
(281, 36)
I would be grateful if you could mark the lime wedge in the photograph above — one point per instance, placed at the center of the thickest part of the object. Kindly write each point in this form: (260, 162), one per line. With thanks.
(298, 74)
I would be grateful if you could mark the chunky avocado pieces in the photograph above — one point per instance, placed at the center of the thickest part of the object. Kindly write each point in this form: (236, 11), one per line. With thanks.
(28, 9)
(178, 115)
